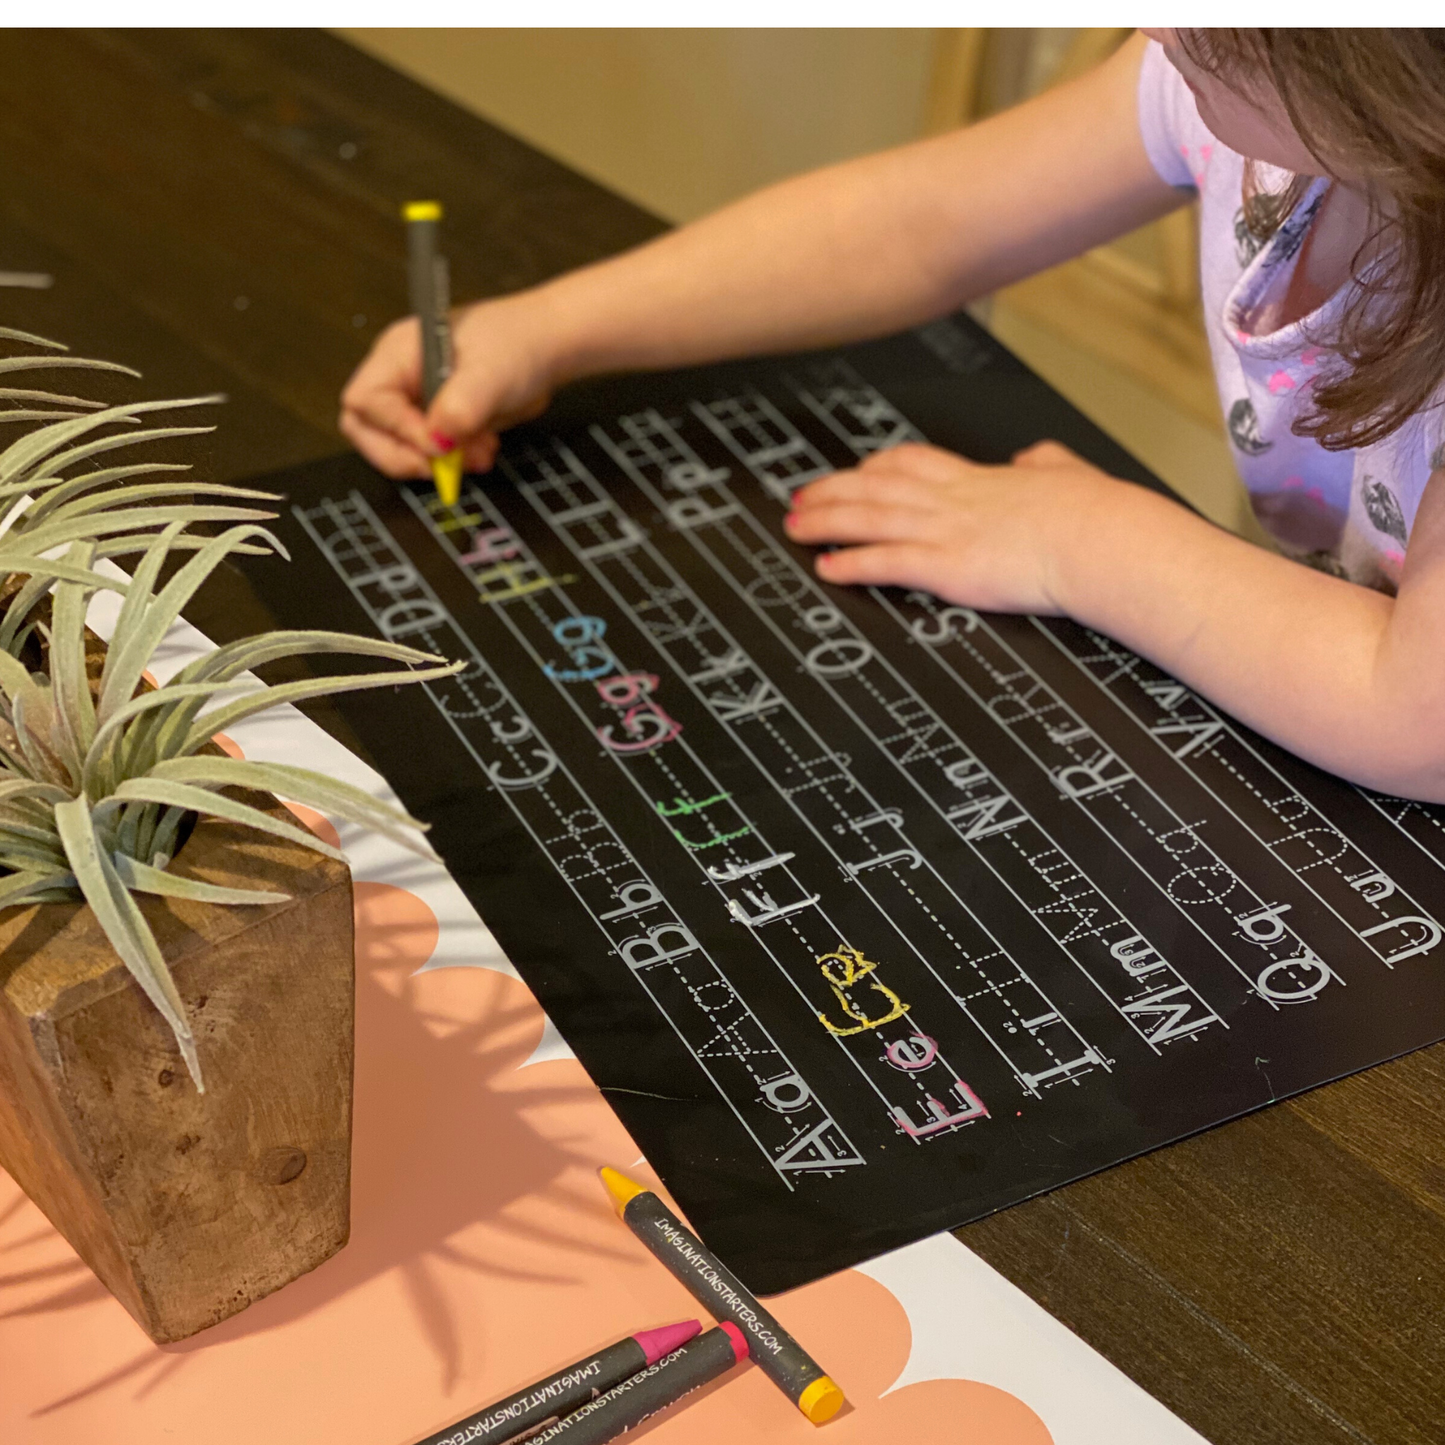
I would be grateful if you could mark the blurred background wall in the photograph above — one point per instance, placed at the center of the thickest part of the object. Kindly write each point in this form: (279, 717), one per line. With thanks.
(682, 121)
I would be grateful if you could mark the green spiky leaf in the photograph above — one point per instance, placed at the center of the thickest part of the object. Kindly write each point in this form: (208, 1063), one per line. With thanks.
(142, 878)
(216, 805)
(100, 778)
(124, 924)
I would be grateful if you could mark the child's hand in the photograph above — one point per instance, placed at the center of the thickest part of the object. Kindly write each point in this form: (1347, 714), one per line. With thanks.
(500, 376)
(986, 537)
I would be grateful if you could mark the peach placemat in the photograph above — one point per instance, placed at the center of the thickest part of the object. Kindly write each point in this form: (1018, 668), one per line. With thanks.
(483, 1252)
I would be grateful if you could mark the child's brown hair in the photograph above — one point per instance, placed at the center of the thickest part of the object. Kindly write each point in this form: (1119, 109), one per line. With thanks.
(1370, 105)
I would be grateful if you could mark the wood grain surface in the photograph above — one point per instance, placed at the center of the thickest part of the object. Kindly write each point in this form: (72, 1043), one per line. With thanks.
(189, 1207)
(220, 208)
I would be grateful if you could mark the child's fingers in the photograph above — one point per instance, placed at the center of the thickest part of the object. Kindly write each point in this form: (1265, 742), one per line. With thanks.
(868, 520)
(1045, 454)
(393, 363)
(384, 391)
(881, 486)
(916, 459)
(883, 564)
(822, 489)
(393, 412)
(383, 450)
(460, 410)
(469, 407)
(480, 452)
(468, 404)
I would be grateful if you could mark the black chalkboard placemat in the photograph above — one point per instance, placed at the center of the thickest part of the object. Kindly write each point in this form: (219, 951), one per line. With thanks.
(868, 914)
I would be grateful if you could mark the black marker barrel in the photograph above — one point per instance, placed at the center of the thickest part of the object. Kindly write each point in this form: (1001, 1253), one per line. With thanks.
(542, 1404)
(430, 298)
(655, 1388)
(722, 1294)
(427, 278)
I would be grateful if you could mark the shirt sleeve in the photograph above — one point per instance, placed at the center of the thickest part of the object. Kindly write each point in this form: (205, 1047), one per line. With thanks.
(1168, 119)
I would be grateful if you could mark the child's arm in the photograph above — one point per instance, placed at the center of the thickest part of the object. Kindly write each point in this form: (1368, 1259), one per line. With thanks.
(1343, 676)
(855, 250)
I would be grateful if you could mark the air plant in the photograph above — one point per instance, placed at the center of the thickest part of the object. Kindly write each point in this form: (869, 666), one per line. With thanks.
(100, 780)
(51, 494)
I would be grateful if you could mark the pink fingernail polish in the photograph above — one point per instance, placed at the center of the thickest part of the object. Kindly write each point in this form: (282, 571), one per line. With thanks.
(442, 440)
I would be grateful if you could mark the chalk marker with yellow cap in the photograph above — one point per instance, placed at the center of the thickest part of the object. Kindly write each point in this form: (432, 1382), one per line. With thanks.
(430, 299)
(724, 1296)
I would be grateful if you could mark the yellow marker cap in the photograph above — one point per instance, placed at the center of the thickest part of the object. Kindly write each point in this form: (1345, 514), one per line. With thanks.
(622, 1189)
(422, 211)
(821, 1400)
(446, 475)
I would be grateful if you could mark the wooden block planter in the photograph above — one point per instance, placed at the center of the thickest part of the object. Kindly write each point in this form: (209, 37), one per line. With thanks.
(188, 1206)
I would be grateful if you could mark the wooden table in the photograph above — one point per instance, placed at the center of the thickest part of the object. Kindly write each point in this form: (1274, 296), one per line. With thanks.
(220, 210)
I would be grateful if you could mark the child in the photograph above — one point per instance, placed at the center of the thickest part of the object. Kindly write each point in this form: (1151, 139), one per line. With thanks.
(1323, 258)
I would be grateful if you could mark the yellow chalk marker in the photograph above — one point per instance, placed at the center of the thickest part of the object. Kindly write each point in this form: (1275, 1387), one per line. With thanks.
(780, 1357)
(446, 474)
(430, 298)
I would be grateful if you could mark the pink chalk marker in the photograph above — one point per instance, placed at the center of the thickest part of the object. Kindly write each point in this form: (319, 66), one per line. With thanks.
(536, 1407)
